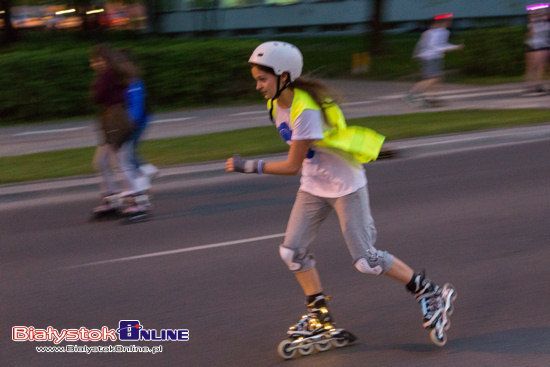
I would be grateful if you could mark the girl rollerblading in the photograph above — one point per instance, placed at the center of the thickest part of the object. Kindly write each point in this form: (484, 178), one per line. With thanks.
(330, 157)
(114, 74)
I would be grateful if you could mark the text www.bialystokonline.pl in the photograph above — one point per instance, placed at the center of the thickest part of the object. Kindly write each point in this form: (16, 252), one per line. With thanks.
(100, 349)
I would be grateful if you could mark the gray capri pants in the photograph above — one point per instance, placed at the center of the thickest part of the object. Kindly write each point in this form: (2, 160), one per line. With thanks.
(356, 223)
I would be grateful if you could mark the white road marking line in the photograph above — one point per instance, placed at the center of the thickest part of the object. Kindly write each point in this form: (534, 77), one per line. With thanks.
(161, 121)
(391, 96)
(51, 131)
(38, 132)
(179, 251)
(248, 113)
(469, 95)
(357, 103)
(455, 91)
(458, 94)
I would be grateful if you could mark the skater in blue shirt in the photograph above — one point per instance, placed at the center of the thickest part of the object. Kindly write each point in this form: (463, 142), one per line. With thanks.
(331, 180)
(136, 103)
(113, 76)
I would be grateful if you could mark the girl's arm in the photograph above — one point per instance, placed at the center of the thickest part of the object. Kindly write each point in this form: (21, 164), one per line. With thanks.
(293, 163)
(290, 166)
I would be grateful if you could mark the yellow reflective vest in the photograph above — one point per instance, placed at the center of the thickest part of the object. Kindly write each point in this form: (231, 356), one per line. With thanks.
(358, 143)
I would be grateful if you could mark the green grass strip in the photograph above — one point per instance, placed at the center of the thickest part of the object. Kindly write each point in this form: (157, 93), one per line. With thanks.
(259, 141)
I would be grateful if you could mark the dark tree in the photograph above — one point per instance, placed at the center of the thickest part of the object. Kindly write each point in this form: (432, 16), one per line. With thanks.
(153, 20)
(377, 28)
(10, 33)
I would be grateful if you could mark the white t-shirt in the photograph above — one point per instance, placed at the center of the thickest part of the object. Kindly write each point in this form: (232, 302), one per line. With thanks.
(325, 174)
(540, 35)
(433, 44)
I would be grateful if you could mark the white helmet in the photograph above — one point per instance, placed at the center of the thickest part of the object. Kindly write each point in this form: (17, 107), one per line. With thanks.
(280, 56)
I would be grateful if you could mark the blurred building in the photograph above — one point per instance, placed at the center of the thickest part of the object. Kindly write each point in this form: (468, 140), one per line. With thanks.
(109, 15)
(271, 17)
(257, 17)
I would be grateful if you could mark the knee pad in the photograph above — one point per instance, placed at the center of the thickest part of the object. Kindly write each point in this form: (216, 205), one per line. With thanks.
(375, 262)
(300, 260)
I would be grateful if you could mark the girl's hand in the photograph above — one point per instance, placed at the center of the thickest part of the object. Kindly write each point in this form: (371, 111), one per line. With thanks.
(229, 166)
(238, 164)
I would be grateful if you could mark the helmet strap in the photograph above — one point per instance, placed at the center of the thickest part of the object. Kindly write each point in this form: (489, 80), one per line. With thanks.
(277, 94)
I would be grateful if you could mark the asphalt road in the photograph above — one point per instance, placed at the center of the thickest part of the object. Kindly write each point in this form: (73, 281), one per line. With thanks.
(476, 218)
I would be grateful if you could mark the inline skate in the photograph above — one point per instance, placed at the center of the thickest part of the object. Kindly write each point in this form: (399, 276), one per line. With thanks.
(138, 209)
(422, 101)
(437, 306)
(314, 331)
(131, 207)
(109, 208)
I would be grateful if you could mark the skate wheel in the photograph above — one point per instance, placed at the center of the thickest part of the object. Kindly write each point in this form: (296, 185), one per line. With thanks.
(340, 342)
(284, 349)
(447, 324)
(439, 340)
(323, 345)
(306, 349)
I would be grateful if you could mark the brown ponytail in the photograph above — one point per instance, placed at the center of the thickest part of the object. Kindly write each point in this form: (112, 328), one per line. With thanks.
(320, 93)
(316, 89)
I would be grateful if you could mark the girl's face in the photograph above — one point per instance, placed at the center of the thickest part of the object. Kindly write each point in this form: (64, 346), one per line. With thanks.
(98, 64)
(266, 83)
